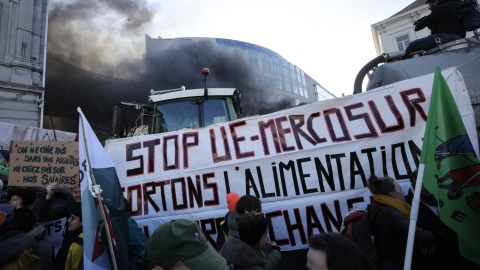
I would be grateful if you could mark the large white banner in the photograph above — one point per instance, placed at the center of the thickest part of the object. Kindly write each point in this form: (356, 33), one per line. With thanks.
(309, 165)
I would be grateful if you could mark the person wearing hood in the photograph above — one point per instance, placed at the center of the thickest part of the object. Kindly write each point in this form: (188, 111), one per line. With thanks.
(12, 241)
(246, 205)
(251, 250)
(444, 23)
(232, 199)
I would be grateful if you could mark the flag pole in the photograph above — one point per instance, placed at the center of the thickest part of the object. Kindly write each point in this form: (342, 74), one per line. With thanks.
(97, 191)
(413, 218)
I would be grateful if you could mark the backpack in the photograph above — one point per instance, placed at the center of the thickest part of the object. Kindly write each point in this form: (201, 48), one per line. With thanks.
(26, 260)
(356, 227)
(470, 14)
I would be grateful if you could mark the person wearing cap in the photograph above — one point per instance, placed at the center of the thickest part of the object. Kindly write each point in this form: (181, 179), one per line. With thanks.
(251, 250)
(12, 241)
(444, 23)
(181, 245)
(70, 255)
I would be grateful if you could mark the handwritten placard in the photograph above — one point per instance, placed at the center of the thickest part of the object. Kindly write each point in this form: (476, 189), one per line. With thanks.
(39, 163)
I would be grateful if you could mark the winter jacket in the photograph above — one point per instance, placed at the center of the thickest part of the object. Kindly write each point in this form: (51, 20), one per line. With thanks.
(246, 257)
(13, 243)
(390, 230)
(70, 255)
(444, 19)
(75, 256)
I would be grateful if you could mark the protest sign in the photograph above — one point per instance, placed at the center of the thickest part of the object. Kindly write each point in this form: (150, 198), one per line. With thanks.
(309, 165)
(39, 163)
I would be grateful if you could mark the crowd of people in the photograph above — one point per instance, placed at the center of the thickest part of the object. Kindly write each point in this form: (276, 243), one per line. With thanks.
(243, 240)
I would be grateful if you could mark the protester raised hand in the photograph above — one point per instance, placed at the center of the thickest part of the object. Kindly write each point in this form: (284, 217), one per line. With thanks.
(51, 190)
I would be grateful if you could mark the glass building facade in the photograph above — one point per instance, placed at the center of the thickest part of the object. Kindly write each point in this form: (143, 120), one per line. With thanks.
(279, 77)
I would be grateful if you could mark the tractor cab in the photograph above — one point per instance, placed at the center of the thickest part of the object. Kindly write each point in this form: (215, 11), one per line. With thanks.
(176, 109)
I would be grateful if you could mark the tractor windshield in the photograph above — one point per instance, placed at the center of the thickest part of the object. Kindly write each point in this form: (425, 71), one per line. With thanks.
(191, 113)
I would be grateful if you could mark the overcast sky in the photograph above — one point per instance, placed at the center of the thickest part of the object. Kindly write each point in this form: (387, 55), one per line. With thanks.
(329, 40)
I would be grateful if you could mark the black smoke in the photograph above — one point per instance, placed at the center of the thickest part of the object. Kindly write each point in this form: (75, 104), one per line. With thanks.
(87, 67)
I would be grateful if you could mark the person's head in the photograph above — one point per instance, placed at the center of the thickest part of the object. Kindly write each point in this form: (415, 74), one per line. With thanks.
(6, 215)
(432, 4)
(253, 230)
(333, 251)
(181, 244)
(76, 194)
(21, 197)
(385, 186)
(75, 218)
(232, 199)
(248, 204)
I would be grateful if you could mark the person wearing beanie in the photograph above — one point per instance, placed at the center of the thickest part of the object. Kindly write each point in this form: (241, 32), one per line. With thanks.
(21, 199)
(246, 205)
(250, 250)
(70, 255)
(12, 241)
(232, 199)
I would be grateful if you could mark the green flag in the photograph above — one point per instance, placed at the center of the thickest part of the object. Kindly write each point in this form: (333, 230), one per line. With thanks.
(452, 169)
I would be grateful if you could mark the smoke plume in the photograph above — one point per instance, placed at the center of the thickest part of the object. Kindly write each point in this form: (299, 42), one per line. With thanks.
(96, 60)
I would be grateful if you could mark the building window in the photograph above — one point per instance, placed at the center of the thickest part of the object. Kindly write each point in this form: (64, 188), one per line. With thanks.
(279, 85)
(299, 78)
(254, 63)
(285, 71)
(268, 82)
(265, 56)
(402, 42)
(258, 80)
(293, 75)
(295, 89)
(306, 93)
(288, 87)
(252, 54)
(239, 51)
(266, 65)
(276, 68)
(271, 99)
